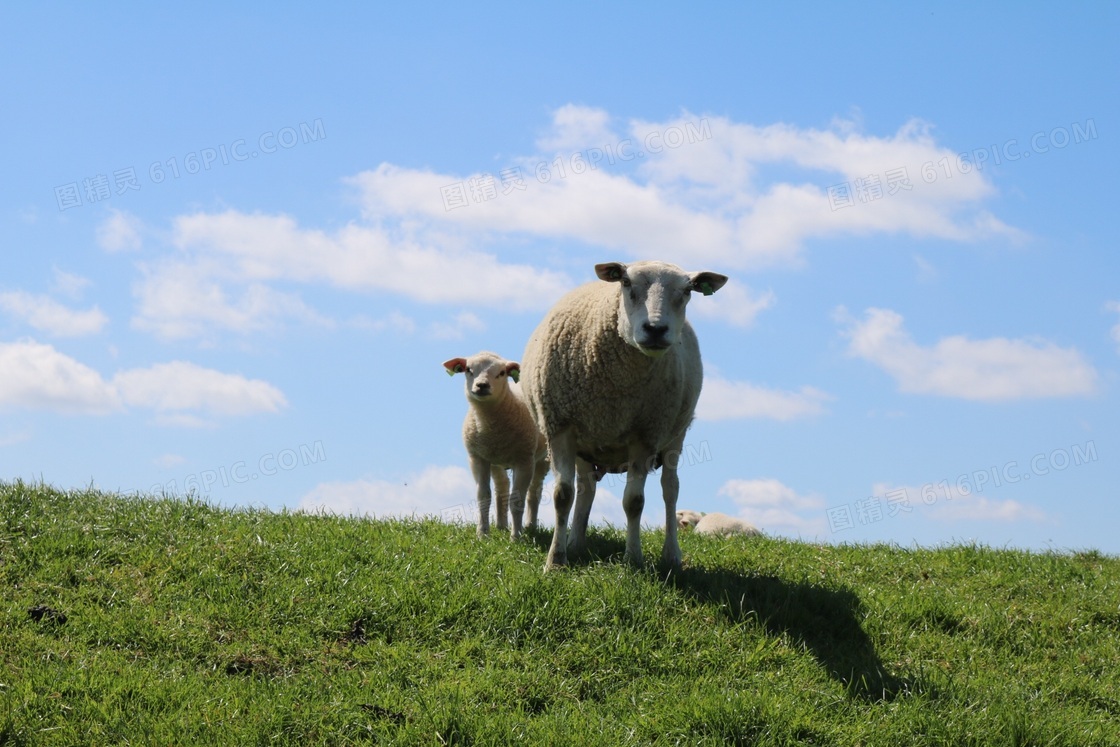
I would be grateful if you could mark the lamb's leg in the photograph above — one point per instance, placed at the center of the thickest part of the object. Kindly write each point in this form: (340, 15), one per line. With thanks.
(501, 487)
(564, 468)
(633, 501)
(585, 496)
(533, 499)
(670, 488)
(480, 468)
(522, 476)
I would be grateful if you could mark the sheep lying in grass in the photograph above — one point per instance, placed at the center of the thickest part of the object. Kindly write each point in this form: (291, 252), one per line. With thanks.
(715, 523)
(500, 434)
(612, 376)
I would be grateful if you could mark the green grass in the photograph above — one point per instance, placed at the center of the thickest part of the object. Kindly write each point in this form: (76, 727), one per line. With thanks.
(183, 623)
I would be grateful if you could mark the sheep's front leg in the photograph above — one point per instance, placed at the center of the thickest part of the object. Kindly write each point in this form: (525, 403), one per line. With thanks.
(480, 468)
(501, 487)
(633, 501)
(670, 489)
(522, 476)
(564, 468)
(585, 497)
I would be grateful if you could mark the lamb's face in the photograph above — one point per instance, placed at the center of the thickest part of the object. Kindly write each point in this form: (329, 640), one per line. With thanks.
(653, 299)
(488, 375)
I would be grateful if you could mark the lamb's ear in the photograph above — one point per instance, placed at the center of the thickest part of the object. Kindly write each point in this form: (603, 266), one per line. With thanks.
(707, 282)
(455, 365)
(612, 272)
(514, 371)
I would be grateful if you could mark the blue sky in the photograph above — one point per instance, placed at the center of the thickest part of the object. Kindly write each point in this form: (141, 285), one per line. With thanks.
(239, 243)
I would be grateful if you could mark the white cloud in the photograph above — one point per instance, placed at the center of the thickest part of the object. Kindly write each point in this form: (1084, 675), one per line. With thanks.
(120, 232)
(49, 316)
(706, 193)
(179, 387)
(946, 502)
(721, 399)
(772, 506)
(38, 377)
(575, 128)
(986, 370)
(698, 193)
(67, 284)
(228, 260)
(178, 300)
(734, 305)
(464, 322)
(432, 492)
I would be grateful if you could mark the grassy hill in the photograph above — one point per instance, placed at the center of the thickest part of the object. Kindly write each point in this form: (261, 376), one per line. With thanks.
(157, 621)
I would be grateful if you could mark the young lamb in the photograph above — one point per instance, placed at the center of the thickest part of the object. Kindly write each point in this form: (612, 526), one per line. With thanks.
(500, 434)
(612, 376)
(715, 523)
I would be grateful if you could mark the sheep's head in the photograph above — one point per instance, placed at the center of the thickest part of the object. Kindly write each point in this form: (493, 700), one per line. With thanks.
(488, 375)
(652, 301)
(686, 519)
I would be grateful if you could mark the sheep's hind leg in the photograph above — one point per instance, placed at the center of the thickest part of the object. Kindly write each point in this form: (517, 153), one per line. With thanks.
(564, 467)
(480, 468)
(501, 487)
(585, 497)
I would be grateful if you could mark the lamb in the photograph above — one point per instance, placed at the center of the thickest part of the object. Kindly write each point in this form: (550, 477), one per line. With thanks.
(500, 434)
(716, 524)
(612, 377)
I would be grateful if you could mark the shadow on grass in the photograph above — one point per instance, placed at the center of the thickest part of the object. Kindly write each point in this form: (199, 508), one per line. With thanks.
(825, 621)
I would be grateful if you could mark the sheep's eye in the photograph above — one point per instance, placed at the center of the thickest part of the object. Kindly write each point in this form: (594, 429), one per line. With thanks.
(625, 282)
(503, 373)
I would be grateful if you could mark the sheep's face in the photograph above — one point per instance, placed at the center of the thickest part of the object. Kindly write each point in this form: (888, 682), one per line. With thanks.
(686, 519)
(488, 375)
(652, 300)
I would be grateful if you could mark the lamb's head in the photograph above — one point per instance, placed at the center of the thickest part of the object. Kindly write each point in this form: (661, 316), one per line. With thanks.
(488, 375)
(652, 301)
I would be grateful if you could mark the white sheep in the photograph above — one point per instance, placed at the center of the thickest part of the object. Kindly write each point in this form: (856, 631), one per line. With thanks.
(500, 434)
(715, 523)
(612, 375)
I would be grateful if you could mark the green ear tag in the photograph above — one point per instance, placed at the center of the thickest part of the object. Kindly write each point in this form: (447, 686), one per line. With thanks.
(515, 375)
(449, 371)
(706, 289)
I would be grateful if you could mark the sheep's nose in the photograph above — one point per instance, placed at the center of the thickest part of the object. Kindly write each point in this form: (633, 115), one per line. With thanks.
(655, 331)
(482, 388)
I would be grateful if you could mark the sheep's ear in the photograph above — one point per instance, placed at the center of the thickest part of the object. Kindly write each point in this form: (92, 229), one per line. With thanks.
(612, 272)
(455, 365)
(514, 371)
(707, 282)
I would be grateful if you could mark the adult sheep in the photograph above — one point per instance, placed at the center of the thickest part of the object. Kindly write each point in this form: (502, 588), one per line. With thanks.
(717, 524)
(612, 375)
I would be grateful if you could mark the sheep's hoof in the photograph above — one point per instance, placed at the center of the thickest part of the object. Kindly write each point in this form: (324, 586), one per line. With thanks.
(634, 559)
(555, 561)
